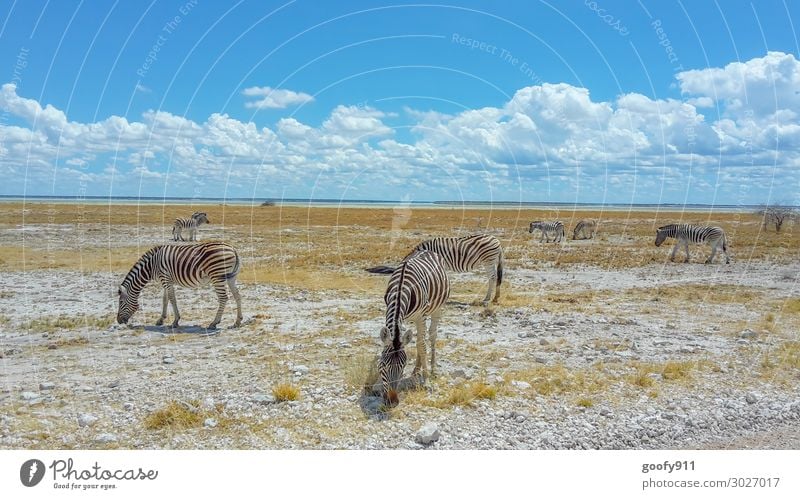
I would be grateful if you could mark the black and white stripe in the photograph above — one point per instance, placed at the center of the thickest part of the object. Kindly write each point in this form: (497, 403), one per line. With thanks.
(698, 234)
(191, 224)
(465, 254)
(587, 228)
(556, 228)
(417, 290)
(190, 265)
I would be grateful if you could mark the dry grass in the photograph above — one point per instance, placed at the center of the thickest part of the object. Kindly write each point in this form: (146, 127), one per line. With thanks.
(327, 248)
(50, 324)
(559, 380)
(360, 371)
(459, 394)
(176, 415)
(285, 392)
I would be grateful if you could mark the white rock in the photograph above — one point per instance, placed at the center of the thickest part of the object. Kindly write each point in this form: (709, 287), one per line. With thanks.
(751, 398)
(521, 385)
(168, 360)
(210, 423)
(105, 438)
(46, 386)
(29, 395)
(85, 420)
(428, 434)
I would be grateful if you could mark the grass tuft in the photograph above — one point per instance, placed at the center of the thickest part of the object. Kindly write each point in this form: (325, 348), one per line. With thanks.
(284, 392)
(176, 415)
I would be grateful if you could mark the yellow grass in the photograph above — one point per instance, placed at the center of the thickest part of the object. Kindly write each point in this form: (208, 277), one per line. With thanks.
(175, 415)
(327, 248)
(284, 392)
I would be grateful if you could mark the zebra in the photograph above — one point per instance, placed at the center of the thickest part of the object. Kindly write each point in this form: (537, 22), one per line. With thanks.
(191, 224)
(189, 265)
(684, 233)
(464, 254)
(557, 228)
(583, 227)
(417, 289)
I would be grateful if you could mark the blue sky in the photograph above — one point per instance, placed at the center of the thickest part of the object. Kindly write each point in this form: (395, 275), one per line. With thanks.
(584, 101)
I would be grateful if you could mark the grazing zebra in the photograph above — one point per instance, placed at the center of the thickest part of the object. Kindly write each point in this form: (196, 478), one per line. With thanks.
(684, 233)
(197, 219)
(586, 227)
(464, 254)
(190, 265)
(557, 228)
(417, 289)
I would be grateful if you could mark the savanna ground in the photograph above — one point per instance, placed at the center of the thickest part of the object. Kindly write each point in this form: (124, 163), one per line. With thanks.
(598, 343)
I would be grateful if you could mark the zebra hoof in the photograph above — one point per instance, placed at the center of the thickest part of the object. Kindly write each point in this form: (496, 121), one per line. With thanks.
(160, 322)
(213, 325)
(174, 325)
(237, 323)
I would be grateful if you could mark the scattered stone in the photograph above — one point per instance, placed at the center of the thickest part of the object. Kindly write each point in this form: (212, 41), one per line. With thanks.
(263, 398)
(85, 420)
(29, 395)
(52, 346)
(128, 406)
(521, 385)
(605, 411)
(114, 384)
(105, 438)
(141, 354)
(544, 342)
(458, 373)
(207, 404)
(751, 398)
(46, 386)
(300, 369)
(210, 423)
(168, 360)
(428, 434)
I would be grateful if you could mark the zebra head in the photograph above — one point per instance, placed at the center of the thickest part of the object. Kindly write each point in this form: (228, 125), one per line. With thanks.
(661, 235)
(392, 362)
(128, 304)
(201, 217)
(534, 226)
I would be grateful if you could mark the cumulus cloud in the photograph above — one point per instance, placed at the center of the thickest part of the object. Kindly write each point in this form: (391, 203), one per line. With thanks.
(723, 136)
(274, 98)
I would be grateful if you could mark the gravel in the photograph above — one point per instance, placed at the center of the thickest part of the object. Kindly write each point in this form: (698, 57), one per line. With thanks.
(115, 377)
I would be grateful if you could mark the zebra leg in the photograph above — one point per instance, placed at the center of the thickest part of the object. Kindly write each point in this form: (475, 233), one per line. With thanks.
(222, 296)
(238, 298)
(491, 272)
(164, 301)
(170, 290)
(421, 365)
(432, 331)
(710, 259)
(686, 247)
(674, 250)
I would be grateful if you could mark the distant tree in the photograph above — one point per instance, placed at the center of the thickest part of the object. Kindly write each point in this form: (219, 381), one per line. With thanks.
(776, 214)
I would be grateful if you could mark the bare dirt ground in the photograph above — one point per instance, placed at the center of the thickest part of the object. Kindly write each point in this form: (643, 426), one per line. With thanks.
(595, 344)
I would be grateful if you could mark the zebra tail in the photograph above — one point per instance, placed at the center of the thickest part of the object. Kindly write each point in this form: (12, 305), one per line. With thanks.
(500, 270)
(381, 269)
(235, 271)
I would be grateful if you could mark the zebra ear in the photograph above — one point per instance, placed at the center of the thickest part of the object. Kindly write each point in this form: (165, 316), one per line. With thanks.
(122, 291)
(406, 336)
(385, 339)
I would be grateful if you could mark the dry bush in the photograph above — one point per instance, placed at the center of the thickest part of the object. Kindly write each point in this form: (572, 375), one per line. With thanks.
(285, 392)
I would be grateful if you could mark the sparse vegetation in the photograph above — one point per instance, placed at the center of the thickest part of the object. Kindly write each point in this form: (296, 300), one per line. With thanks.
(50, 324)
(284, 392)
(176, 415)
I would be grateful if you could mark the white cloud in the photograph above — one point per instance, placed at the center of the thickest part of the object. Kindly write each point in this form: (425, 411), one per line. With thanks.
(549, 138)
(274, 98)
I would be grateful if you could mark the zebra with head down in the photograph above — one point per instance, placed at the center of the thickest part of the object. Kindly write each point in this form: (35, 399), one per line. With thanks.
(685, 233)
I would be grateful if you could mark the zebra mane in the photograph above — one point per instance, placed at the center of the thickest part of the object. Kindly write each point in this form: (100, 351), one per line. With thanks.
(141, 265)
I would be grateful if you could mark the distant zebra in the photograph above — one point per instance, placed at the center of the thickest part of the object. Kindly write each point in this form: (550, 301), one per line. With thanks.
(197, 219)
(586, 227)
(464, 254)
(417, 290)
(190, 265)
(557, 228)
(684, 233)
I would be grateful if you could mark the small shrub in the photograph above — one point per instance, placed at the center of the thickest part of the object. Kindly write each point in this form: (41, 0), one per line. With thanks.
(176, 415)
(585, 402)
(284, 392)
